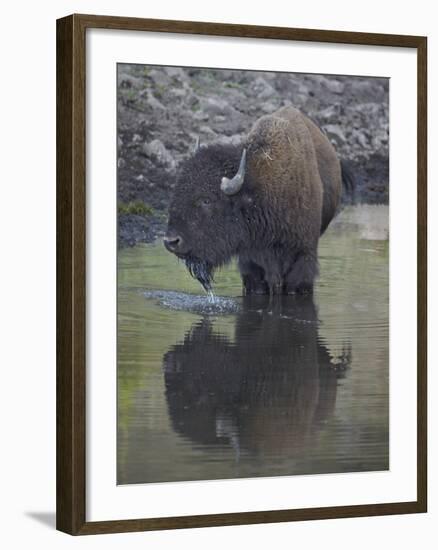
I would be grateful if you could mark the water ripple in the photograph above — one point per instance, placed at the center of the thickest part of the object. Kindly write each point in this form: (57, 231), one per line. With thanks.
(204, 305)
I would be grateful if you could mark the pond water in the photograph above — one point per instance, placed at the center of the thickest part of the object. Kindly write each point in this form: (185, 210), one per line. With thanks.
(244, 387)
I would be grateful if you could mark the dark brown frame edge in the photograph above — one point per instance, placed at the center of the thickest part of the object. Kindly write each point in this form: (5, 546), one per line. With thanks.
(71, 264)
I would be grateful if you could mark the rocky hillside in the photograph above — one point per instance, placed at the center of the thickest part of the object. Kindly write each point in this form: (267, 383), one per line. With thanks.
(162, 111)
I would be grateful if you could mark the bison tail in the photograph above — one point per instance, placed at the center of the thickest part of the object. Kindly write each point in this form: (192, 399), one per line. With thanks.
(349, 181)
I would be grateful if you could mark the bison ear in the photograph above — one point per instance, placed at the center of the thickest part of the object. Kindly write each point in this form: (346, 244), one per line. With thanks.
(234, 185)
(197, 145)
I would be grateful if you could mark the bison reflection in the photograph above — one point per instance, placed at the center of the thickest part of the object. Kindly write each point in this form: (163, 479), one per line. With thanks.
(266, 391)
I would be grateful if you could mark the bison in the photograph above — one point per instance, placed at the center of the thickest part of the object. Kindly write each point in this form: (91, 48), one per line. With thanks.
(265, 203)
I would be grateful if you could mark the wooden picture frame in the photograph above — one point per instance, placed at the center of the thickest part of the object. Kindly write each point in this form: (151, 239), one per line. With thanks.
(71, 273)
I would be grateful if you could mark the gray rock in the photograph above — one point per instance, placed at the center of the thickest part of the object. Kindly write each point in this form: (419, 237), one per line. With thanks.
(157, 150)
(368, 109)
(235, 139)
(154, 103)
(299, 100)
(178, 92)
(159, 77)
(330, 113)
(334, 86)
(129, 81)
(176, 72)
(367, 90)
(263, 89)
(215, 106)
(201, 116)
(207, 130)
(360, 138)
(334, 132)
(269, 107)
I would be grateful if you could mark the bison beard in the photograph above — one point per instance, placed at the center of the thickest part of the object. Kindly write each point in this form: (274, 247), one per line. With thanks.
(200, 270)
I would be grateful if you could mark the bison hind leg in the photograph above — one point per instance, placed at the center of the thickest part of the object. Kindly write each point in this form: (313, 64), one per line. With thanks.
(301, 276)
(253, 278)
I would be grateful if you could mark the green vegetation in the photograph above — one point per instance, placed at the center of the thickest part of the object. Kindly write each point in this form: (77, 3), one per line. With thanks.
(232, 85)
(138, 207)
(159, 91)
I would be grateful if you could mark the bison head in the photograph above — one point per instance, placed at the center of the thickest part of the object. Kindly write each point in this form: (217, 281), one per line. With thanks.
(206, 217)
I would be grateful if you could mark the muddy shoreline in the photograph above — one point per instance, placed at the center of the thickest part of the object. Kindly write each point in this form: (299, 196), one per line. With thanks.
(162, 111)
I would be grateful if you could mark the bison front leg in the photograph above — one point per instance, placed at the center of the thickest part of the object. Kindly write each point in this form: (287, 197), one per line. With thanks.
(301, 276)
(253, 278)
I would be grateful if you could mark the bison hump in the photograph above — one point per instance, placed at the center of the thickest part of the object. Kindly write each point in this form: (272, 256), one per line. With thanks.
(281, 150)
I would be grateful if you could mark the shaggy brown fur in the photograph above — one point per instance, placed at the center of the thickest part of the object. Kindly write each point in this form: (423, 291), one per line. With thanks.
(296, 172)
(283, 136)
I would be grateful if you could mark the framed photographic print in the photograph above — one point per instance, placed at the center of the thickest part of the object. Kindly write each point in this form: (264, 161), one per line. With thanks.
(241, 274)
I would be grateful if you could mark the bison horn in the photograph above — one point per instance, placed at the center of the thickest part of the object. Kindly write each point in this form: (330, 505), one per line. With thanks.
(197, 145)
(234, 185)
